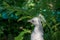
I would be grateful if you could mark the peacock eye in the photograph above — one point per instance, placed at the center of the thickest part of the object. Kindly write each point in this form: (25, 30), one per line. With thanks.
(32, 20)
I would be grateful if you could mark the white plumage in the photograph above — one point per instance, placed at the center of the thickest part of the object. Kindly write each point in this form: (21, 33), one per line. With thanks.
(37, 33)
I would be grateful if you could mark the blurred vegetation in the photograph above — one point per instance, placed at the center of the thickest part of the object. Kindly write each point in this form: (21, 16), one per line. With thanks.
(15, 13)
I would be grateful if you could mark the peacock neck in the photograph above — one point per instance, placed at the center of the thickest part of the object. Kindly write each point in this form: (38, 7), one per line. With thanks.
(38, 28)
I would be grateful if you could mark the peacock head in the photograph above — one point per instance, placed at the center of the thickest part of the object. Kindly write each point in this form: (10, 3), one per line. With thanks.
(34, 21)
(37, 20)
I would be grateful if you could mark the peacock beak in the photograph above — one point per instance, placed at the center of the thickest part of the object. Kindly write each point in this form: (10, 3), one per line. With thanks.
(29, 20)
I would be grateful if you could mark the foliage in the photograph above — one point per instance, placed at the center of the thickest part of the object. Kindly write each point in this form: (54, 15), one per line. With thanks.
(15, 13)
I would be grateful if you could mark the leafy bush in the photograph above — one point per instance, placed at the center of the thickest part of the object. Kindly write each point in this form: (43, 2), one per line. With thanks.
(15, 13)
